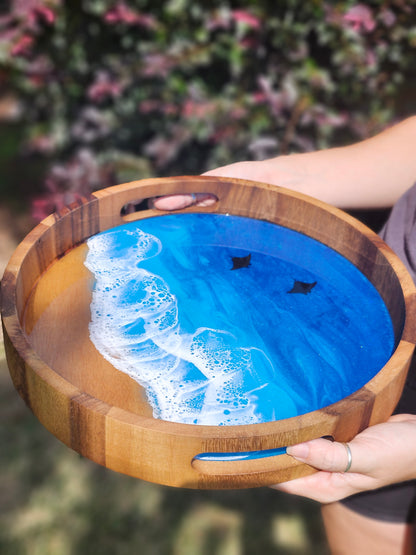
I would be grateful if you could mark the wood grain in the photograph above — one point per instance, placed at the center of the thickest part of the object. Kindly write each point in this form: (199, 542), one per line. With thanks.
(103, 414)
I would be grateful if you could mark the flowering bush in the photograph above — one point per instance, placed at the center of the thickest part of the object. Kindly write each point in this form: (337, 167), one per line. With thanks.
(110, 90)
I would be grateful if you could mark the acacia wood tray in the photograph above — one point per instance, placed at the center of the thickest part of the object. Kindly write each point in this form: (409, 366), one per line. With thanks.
(103, 414)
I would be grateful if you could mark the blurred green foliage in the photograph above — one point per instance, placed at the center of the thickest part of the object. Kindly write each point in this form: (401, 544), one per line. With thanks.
(108, 91)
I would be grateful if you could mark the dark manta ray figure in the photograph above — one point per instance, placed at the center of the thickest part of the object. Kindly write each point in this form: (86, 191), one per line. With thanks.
(302, 287)
(241, 262)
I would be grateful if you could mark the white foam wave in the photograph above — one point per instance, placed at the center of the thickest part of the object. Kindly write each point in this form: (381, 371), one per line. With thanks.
(200, 378)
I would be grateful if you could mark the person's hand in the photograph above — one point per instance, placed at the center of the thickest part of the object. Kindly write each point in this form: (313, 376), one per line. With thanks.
(381, 455)
(283, 170)
(177, 202)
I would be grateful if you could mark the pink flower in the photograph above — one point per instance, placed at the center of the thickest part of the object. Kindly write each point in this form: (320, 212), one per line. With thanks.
(149, 106)
(222, 19)
(42, 207)
(157, 65)
(387, 17)
(20, 27)
(103, 87)
(45, 205)
(121, 13)
(277, 100)
(198, 110)
(23, 47)
(70, 182)
(243, 16)
(259, 97)
(238, 113)
(45, 13)
(360, 18)
(30, 12)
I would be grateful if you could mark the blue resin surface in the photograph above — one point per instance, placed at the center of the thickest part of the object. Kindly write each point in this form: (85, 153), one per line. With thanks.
(226, 320)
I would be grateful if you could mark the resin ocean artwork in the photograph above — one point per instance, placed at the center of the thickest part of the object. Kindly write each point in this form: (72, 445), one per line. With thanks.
(226, 320)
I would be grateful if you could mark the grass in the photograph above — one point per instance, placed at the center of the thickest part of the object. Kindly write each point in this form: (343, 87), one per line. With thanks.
(54, 502)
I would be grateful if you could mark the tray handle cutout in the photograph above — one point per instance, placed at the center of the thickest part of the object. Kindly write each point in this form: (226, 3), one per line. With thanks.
(240, 456)
(184, 201)
(266, 461)
(254, 463)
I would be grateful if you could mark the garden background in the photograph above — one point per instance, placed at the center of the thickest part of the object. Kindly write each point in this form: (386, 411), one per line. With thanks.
(99, 92)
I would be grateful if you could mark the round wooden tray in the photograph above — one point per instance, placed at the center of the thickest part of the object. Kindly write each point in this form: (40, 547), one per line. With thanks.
(103, 413)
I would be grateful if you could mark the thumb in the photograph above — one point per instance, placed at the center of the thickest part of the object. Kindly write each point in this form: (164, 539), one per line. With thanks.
(324, 455)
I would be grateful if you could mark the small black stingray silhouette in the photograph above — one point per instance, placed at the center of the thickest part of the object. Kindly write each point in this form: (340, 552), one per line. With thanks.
(302, 287)
(241, 262)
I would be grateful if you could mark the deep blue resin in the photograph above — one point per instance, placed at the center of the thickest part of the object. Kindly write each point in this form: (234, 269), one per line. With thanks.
(228, 320)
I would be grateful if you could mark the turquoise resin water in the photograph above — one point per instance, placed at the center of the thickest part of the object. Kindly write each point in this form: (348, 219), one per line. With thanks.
(226, 320)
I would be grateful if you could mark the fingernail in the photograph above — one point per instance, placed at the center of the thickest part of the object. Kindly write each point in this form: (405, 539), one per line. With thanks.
(299, 451)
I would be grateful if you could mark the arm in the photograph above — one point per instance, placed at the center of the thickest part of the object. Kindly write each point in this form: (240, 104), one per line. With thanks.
(371, 174)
